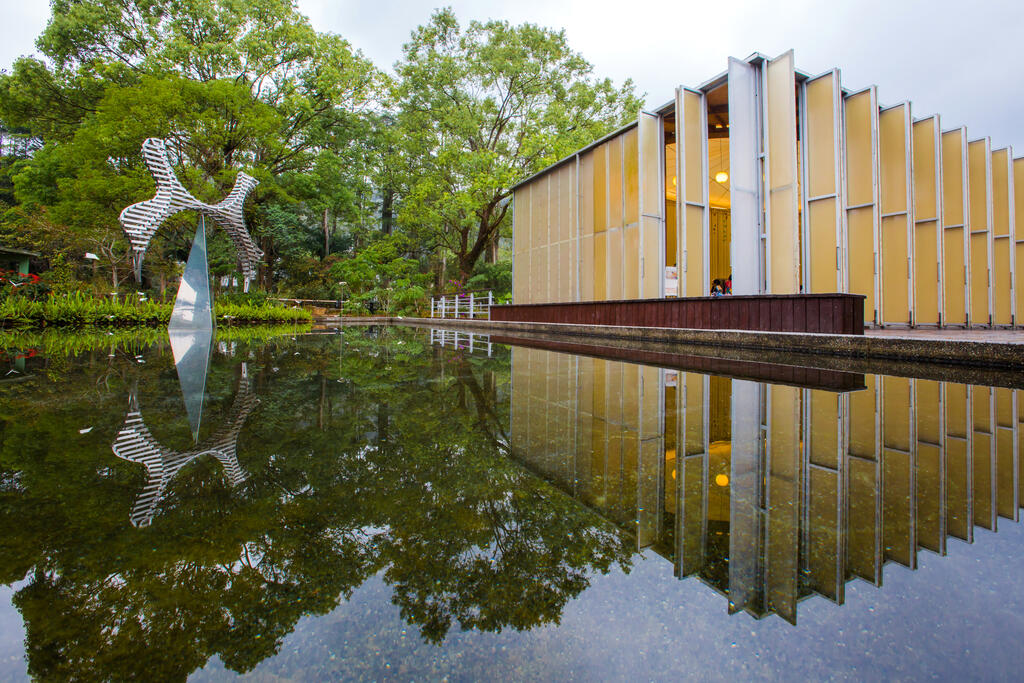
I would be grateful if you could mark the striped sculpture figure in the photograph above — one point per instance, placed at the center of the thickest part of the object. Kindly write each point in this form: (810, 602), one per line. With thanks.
(141, 221)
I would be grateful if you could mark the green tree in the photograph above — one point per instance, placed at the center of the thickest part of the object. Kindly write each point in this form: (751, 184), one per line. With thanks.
(483, 107)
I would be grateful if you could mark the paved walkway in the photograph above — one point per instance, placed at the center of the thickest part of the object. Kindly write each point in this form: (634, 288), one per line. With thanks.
(997, 336)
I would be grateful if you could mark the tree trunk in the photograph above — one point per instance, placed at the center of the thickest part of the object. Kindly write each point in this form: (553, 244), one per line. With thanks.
(387, 208)
(327, 236)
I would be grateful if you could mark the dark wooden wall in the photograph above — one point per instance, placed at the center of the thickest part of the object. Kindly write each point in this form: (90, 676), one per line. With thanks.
(820, 313)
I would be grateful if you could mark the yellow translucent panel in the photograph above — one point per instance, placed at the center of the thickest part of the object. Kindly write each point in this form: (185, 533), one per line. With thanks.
(930, 522)
(821, 230)
(587, 268)
(1001, 192)
(600, 162)
(566, 272)
(783, 243)
(859, 115)
(694, 278)
(540, 197)
(822, 130)
(892, 148)
(895, 263)
(925, 178)
(864, 524)
(615, 260)
(953, 295)
(631, 172)
(695, 133)
(649, 143)
(586, 198)
(651, 271)
(979, 278)
(1002, 309)
(953, 174)
(671, 233)
(926, 274)
(600, 266)
(978, 180)
(1018, 237)
(783, 520)
(631, 263)
(522, 278)
(565, 229)
(721, 237)
(897, 507)
(542, 286)
(824, 533)
(521, 219)
(615, 185)
(860, 224)
(896, 398)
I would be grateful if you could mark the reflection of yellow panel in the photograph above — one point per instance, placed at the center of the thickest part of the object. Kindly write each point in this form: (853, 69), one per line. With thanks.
(863, 523)
(1006, 456)
(631, 179)
(783, 520)
(895, 260)
(694, 506)
(600, 266)
(615, 256)
(863, 412)
(630, 395)
(631, 263)
(929, 415)
(954, 237)
(982, 456)
(979, 219)
(824, 428)
(824, 533)
(958, 488)
(896, 401)
(600, 163)
(929, 498)
(783, 242)
(615, 213)
(695, 406)
(926, 274)
(861, 251)
(898, 507)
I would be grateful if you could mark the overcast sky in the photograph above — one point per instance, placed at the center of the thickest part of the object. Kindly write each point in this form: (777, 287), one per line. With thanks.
(955, 57)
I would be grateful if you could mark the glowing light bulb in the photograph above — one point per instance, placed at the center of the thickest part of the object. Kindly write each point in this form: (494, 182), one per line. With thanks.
(722, 479)
(721, 177)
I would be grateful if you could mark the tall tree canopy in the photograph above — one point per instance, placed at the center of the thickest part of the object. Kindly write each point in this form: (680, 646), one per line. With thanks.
(231, 83)
(483, 107)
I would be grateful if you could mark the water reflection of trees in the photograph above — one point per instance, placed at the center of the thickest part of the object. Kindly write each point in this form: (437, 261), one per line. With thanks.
(381, 455)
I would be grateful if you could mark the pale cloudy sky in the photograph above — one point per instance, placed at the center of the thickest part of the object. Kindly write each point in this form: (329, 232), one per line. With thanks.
(960, 58)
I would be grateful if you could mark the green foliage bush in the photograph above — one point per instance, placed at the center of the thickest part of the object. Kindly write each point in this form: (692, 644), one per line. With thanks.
(78, 310)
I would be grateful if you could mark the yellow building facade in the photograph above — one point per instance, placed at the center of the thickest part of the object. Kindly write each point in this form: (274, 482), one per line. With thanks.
(788, 183)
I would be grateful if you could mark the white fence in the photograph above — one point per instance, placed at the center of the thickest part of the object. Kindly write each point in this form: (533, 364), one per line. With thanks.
(461, 340)
(470, 305)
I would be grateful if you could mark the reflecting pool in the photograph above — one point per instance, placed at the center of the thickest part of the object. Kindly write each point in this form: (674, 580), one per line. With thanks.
(396, 503)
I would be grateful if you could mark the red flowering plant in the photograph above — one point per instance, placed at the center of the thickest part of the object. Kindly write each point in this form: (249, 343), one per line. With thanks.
(21, 284)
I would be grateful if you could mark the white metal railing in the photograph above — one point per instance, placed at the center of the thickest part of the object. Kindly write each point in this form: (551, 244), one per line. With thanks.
(461, 340)
(469, 305)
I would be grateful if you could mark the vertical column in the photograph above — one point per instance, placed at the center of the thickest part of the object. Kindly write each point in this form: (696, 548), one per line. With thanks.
(979, 223)
(860, 117)
(927, 175)
(782, 255)
(894, 146)
(822, 146)
(692, 191)
(1002, 238)
(745, 178)
(652, 203)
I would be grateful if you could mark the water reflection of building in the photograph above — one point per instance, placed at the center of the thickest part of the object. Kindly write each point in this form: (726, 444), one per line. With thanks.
(135, 443)
(768, 491)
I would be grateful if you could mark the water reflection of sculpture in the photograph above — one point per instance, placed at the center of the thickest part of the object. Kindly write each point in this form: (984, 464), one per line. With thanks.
(769, 492)
(135, 443)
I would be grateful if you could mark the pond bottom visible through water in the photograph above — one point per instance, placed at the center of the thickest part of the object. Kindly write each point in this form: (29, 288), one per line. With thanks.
(390, 503)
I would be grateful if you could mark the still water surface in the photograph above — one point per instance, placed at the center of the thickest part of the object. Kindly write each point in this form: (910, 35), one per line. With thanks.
(390, 503)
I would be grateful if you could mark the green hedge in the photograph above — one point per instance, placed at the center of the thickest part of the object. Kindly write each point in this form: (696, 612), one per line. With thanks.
(78, 310)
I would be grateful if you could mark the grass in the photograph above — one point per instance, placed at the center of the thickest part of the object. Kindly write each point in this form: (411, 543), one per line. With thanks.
(80, 310)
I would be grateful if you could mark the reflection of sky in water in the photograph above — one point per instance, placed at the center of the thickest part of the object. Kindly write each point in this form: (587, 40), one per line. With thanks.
(648, 625)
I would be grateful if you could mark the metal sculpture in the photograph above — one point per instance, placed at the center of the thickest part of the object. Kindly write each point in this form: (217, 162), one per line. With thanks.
(136, 443)
(141, 221)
